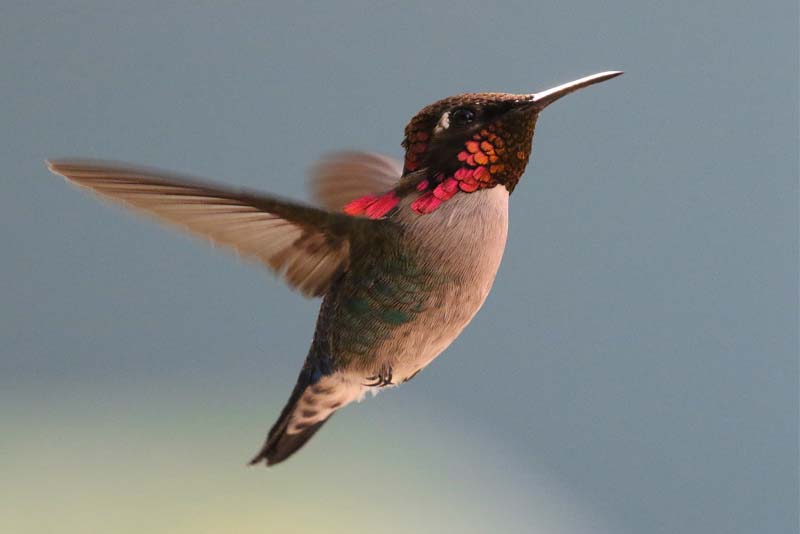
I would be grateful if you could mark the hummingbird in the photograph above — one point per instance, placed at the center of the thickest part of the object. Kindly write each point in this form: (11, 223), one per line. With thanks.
(402, 254)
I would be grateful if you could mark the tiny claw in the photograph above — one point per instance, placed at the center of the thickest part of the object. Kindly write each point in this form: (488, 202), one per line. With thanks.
(380, 380)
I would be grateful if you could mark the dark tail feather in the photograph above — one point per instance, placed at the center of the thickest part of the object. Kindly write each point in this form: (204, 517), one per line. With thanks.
(280, 445)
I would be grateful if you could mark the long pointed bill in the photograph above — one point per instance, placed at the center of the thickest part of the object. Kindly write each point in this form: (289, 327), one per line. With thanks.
(545, 98)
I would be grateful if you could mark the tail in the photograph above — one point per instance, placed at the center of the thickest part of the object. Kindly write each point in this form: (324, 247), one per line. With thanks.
(313, 401)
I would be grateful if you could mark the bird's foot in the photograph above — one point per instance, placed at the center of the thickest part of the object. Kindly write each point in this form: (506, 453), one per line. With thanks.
(383, 378)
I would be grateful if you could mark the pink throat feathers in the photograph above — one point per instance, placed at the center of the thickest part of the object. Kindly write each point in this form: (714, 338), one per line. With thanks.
(479, 162)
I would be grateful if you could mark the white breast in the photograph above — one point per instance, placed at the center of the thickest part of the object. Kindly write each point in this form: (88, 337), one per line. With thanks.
(464, 239)
(468, 231)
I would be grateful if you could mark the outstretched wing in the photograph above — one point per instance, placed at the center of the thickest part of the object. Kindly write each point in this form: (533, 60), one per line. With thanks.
(306, 245)
(342, 177)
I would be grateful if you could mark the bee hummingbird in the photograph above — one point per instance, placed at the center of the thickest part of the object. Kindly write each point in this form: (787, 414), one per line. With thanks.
(403, 255)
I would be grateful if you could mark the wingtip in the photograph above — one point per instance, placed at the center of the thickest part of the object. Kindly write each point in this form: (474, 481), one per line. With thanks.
(61, 166)
(56, 167)
(66, 163)
(52, 164)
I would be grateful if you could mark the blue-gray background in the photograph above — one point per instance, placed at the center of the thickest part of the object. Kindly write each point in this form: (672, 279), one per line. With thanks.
(634, 369)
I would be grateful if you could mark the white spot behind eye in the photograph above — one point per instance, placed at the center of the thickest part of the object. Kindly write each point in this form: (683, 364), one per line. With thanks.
(444, 123)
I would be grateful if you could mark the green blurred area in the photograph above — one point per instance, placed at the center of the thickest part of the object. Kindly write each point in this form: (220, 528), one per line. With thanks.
(142, 458)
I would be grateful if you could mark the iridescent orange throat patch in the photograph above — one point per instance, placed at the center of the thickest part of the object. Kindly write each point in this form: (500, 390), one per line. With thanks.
(481, 165)
(495, 155)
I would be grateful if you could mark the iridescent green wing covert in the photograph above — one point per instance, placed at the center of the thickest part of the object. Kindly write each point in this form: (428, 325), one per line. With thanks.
(375, 300)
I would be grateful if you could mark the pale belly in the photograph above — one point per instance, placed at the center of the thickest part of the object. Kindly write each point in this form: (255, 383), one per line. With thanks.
(464, 239)
(415, 344)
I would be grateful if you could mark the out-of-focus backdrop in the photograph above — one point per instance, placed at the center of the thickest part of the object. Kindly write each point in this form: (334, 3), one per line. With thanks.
(634, 370)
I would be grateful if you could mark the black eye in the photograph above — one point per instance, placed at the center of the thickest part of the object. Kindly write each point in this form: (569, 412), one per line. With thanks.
(463, 116)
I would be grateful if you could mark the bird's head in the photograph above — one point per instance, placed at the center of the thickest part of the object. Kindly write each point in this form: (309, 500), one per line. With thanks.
(466, 143)
(480, 140)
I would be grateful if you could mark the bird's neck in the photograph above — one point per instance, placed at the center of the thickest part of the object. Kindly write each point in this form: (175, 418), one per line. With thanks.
(427, 190)
(462, 230)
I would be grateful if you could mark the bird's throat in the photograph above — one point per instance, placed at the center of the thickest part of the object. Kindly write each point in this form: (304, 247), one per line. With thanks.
(432, 192)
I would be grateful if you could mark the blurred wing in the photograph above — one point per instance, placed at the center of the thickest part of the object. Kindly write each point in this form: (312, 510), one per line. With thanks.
(342, 177)
(306, 245)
